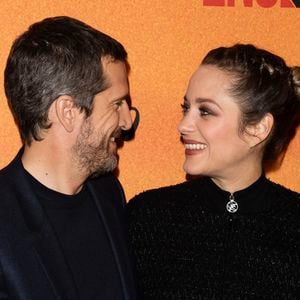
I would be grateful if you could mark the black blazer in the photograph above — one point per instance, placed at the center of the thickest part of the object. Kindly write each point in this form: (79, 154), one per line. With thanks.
(32, 264)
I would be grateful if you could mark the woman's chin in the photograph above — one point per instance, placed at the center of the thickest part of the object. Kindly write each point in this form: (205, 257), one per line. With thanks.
(192, 170)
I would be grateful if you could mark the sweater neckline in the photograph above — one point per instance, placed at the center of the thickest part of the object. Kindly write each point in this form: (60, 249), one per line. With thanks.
(54, 199)
(253, 199)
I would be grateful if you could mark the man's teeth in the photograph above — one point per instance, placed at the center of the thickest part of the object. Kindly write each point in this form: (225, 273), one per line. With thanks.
(195, 146)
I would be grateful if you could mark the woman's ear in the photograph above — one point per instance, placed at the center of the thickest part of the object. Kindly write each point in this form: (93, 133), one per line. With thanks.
(260, 131)
(66, 112)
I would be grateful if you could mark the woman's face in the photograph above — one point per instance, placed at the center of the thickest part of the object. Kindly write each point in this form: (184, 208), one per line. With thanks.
(214, 146)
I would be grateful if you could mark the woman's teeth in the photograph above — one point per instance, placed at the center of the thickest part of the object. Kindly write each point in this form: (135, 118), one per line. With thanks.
(195, 146)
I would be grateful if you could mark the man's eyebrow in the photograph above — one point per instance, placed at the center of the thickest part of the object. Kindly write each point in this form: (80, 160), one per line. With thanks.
(125, 97)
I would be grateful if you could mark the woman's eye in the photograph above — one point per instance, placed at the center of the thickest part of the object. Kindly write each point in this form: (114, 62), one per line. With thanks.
(184, 108)
(205, 112)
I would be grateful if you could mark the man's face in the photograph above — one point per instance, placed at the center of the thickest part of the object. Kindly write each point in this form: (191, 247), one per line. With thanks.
(95, 148)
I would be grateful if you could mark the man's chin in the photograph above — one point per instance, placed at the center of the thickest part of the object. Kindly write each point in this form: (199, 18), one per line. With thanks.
(106, 167)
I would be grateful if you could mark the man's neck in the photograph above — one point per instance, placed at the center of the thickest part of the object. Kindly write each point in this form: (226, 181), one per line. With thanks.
(52, 167)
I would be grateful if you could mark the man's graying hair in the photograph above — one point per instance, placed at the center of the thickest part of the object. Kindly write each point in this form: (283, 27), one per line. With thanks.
(54, 57)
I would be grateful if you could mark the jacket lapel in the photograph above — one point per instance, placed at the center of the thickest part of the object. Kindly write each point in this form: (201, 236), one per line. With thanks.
(108, 198)
(46, 245)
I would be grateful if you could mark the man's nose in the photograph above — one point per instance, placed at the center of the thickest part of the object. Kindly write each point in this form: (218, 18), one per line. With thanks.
(125, 121)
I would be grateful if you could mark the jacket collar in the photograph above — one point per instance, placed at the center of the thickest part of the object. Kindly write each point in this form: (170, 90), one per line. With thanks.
(45, 242)
(109, 199)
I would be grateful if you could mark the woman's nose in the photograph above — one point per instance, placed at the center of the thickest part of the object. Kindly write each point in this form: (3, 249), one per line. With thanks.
(186, 124)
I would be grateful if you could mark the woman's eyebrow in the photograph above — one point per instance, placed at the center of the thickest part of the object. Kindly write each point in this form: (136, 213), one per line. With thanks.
(203, 100)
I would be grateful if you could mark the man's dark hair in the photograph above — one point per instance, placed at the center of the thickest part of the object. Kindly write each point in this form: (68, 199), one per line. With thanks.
(54, 57)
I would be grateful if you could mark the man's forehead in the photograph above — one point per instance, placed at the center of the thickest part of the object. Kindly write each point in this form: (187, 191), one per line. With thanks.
(115, 71)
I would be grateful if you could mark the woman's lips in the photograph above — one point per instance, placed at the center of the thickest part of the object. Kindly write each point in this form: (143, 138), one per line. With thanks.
(193, 147)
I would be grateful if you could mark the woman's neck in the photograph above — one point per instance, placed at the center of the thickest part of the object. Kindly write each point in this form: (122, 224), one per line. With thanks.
(237, 181)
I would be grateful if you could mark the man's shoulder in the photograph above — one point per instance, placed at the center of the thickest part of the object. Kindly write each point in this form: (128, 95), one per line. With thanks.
(9, 172)
(10, 212)
(8, 177)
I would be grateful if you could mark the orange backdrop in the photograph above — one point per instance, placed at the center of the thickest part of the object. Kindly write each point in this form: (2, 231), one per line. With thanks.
(165, 41)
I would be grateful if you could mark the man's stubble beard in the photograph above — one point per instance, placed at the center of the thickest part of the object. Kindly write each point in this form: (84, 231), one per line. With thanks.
(91, 152)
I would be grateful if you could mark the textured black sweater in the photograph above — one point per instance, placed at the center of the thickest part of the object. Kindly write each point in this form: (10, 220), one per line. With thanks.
(188, 246)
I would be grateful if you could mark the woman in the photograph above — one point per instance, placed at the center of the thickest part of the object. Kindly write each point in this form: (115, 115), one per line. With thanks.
(231, 234)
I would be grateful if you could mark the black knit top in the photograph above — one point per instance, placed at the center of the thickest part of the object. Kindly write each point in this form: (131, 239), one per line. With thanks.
(187, 245)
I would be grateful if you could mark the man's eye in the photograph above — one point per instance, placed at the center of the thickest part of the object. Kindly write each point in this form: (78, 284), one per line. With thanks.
(119, 103)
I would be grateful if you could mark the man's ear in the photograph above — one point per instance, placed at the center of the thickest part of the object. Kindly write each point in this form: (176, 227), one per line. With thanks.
(66, 112)
(260, 131)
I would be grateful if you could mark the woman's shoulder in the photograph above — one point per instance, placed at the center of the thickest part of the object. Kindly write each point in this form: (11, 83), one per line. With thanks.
(285, 204)
(167, 195)
(285, 195)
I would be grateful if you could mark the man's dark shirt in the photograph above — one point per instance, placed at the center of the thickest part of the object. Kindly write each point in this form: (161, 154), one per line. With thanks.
(84, 242)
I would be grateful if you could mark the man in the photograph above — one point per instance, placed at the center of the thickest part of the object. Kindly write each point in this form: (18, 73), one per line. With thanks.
(61, 231)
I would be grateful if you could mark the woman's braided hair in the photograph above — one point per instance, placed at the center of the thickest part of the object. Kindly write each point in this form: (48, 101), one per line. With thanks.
(262, 83)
